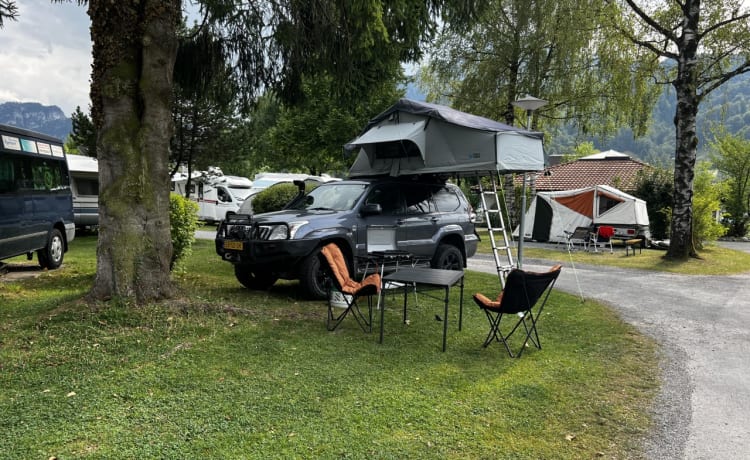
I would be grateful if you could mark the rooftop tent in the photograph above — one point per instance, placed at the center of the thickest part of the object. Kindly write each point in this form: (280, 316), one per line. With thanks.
(553, 213)
(413, 137)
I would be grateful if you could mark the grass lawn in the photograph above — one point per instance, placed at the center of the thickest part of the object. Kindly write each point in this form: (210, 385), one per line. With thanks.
(224, 372)
(713, 259)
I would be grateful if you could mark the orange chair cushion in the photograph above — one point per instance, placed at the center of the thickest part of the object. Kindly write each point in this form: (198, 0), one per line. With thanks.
(340, 271)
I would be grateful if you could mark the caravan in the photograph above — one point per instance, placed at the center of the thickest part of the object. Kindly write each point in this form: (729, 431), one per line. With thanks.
(551, 214)
(217, 195)
(84, 183)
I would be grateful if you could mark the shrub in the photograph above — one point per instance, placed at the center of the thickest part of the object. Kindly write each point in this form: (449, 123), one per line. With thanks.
(277, 196)
(183, 218)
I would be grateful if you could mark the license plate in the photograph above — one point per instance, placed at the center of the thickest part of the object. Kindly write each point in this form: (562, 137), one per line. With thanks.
(233, 245)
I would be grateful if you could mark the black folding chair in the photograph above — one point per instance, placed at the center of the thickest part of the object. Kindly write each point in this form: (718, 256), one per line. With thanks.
(522, 292)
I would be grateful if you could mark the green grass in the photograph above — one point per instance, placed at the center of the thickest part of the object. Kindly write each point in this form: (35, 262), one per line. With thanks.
(223, 372)
(713, 259)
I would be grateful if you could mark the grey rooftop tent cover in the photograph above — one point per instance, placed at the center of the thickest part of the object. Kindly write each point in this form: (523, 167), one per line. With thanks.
(413, 137)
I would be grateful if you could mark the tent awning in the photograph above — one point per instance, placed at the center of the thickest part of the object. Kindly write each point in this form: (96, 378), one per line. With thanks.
(413, 131)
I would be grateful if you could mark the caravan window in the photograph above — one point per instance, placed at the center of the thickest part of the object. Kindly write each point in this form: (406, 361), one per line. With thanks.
(606, 203)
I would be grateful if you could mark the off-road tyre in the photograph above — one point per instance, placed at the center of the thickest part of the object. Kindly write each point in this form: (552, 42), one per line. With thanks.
(313, 275)
(255, 280)
(448, 257)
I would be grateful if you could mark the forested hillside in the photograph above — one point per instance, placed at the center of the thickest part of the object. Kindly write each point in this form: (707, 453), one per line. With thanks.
(729, 105)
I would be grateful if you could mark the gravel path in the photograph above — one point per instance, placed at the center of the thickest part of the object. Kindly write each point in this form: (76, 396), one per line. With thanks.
(703, 326)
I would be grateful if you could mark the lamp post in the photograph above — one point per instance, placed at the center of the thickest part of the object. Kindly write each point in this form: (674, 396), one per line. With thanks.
(529, 104)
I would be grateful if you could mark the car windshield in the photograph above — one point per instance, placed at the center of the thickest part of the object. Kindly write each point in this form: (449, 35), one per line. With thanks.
(239, 193)
(334, 197)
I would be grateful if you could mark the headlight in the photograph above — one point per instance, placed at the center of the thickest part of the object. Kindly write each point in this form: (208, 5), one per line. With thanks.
(278, 232)
(294, 227)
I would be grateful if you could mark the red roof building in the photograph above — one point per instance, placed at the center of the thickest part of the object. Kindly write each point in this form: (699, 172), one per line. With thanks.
(605, 168)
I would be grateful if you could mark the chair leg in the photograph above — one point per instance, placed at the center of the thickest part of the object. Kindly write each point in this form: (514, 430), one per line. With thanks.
(495, 332)
(365, 322)
(531, 333)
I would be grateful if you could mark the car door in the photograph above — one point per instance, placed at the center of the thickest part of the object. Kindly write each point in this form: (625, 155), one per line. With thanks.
(421, 221)
(390, 197)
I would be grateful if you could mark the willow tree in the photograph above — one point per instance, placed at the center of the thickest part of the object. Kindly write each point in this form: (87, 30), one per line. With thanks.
(271, 44)
(556, 50)
(706, 43)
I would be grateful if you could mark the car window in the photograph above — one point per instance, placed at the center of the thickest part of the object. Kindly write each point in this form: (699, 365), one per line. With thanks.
(418, 199)
(336, 196)
(389, 198)
(446, 200)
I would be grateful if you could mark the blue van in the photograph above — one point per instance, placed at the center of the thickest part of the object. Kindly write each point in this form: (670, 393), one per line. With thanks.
(36, 204)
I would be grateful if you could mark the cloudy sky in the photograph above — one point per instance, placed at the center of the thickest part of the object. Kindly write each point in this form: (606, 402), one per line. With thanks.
(45, 55)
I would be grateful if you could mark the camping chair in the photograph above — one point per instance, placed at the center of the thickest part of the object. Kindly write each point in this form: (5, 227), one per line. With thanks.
(581, 235)
(523, 290)
(603, 236)
(351, 290)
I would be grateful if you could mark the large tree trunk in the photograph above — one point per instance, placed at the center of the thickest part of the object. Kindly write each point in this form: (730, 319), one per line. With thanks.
(681, 244)
(134, 48)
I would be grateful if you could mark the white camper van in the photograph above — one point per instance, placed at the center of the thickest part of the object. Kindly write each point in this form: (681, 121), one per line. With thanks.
(216, 194)
(84, 183)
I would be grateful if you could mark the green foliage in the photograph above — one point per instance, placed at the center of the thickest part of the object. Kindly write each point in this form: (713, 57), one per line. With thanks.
(83, 135)
(656, 186)
(183, 219)
(581, 150)
(555, 50)
(731, 156)
(274, 198)
(706, 205)
(307, 137)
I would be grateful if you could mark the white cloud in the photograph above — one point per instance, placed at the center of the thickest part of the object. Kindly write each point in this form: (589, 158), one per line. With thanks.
(45, 56)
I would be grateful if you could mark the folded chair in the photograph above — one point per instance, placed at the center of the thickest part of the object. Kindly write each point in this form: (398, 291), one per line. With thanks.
(350, 289)
(522, 292)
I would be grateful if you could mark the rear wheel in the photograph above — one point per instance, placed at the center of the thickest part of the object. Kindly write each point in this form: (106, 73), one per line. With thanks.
(51, 257)
(448, 257)
(256, 280)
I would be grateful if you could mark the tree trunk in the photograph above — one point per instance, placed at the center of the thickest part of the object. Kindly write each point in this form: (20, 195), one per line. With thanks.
(681, 244)
(134, 48)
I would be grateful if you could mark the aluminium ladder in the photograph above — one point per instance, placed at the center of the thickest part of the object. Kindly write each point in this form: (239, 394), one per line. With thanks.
(496, 228)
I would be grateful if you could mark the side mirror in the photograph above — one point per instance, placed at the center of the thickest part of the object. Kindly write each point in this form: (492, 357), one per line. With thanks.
(372, 209)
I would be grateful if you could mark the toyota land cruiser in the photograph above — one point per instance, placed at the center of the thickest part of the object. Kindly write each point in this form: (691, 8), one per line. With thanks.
(432, 219)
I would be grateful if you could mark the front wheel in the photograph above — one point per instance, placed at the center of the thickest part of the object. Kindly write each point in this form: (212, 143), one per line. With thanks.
(448, 257)
(313, 276)
(256, 280)
(51, 257)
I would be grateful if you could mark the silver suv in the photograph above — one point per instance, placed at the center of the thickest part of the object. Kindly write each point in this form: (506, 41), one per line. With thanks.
(433, 221)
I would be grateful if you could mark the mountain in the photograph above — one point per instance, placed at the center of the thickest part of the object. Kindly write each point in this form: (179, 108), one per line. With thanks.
(33, 116)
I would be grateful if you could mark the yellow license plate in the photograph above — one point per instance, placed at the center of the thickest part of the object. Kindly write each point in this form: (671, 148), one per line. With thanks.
(234, 245)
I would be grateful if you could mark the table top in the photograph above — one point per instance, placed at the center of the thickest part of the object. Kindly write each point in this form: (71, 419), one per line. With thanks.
(420, 275)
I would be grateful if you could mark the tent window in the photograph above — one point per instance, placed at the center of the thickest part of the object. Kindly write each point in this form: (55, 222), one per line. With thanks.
(606, 203)
(396, 149)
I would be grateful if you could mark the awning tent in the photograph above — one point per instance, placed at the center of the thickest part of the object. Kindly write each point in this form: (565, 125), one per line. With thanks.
(551, 214)
(413, 137)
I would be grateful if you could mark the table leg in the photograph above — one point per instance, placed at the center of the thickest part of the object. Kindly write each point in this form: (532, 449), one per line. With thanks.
(382, 309)
(445, 316)
(406, 296)
(461, 306)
